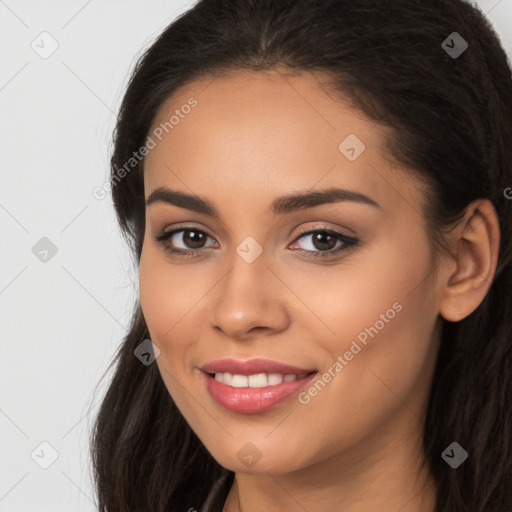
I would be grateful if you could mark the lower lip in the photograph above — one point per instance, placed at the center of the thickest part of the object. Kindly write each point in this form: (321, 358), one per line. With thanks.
(253, 400)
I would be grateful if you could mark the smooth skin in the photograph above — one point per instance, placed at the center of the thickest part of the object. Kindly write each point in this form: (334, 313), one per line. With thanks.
(253, 137)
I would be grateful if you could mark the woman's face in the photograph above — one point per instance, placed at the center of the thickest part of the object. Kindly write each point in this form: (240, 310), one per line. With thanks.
(354, 299)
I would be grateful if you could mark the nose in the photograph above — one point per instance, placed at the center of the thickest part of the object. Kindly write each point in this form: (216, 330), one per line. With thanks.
(249, 301)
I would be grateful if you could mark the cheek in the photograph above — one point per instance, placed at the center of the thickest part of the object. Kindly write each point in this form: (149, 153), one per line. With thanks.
(382, 311)
(367, 288)
(155, 299)
(165, 306)
(167, 294)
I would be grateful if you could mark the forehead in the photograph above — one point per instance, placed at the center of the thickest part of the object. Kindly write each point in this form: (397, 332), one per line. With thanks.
(256, 133)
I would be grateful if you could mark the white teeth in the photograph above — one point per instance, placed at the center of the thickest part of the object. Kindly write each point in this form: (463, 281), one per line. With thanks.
(275, 378)
(227, 378)
(240, 381)
(258, 380)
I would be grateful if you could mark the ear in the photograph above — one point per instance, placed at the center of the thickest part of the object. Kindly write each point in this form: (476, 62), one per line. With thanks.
(474, 247)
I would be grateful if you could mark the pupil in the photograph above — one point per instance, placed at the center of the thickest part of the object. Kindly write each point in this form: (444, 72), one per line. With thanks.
(194, 240)
(317, 241)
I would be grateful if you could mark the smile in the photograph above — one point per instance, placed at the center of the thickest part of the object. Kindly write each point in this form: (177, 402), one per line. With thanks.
(258, 380)
(250, 394)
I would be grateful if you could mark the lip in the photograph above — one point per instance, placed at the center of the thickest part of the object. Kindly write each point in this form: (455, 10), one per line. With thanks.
(254, 400)
(253, 366)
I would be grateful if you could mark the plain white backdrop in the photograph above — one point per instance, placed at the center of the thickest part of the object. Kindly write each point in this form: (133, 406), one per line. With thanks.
(67, 280)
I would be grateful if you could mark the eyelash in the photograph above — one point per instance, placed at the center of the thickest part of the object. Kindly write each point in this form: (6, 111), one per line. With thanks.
(349, 243)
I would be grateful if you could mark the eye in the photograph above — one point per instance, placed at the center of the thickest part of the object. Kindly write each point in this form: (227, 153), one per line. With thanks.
(322, 242)
(191, 239)
(319, 242)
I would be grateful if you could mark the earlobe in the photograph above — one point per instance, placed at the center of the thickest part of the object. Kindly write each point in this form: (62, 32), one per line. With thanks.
(476, 244)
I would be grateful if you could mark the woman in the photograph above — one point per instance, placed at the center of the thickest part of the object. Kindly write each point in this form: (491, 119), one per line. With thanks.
(315, 192)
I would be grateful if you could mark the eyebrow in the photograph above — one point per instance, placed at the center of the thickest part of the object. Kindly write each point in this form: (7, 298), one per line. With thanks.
(284, 204)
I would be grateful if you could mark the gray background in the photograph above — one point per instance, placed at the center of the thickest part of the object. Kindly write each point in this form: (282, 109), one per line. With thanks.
(63, 313)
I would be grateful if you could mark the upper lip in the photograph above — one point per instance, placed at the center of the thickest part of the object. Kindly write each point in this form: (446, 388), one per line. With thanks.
(252, 366)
